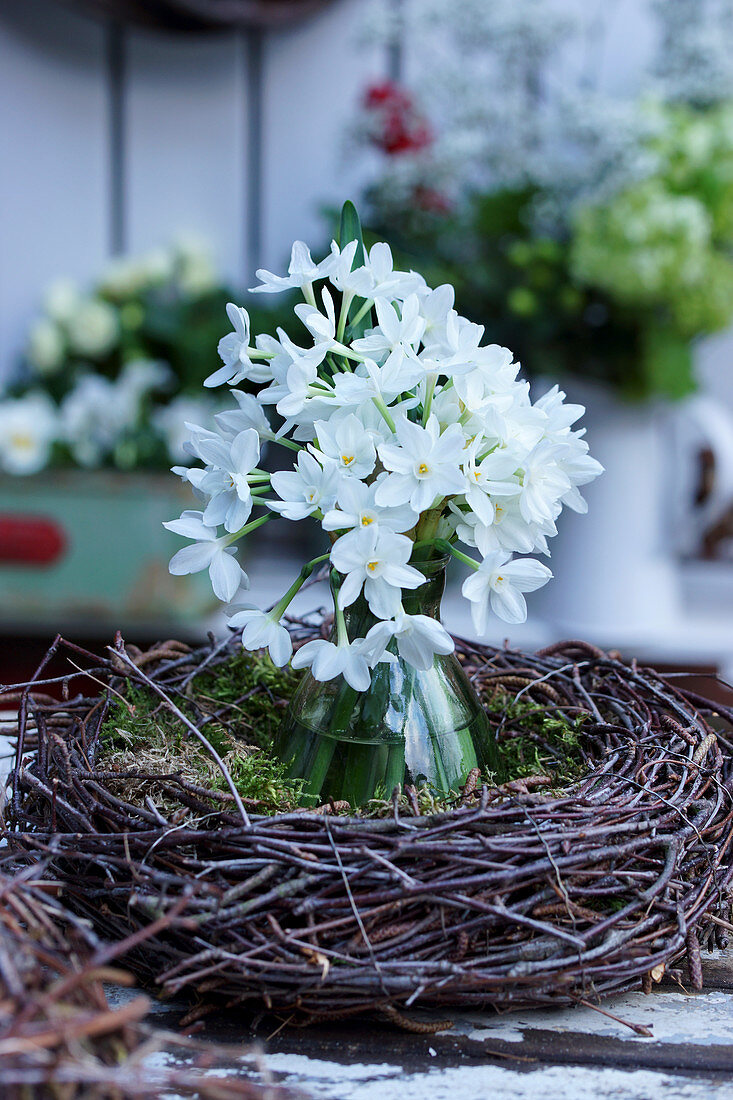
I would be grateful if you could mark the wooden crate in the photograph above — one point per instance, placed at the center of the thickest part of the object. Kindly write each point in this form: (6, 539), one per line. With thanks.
(88, 551)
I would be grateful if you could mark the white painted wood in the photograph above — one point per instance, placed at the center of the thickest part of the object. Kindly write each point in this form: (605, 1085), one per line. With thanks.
(53, 181)
(185, 141)
(314, 74)
(385, 1081)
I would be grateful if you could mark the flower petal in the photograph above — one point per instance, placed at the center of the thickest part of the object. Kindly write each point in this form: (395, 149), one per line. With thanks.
(226, 575)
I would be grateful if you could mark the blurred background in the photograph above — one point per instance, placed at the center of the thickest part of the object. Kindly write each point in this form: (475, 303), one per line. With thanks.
(567, 164)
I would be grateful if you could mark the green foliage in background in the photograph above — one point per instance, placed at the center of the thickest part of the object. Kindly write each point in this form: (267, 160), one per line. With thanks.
(616, 293)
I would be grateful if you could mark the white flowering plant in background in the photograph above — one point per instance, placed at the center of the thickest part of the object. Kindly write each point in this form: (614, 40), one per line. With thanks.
(111, 374)
(410, 437)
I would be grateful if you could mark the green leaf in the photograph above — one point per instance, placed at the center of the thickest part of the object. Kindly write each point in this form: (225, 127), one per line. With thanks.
(350, 230)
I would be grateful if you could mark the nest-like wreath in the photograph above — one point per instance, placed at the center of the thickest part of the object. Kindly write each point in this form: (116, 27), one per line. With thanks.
(60, 1037)
(528, 894)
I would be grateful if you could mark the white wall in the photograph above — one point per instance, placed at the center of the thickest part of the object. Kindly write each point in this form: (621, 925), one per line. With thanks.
(189, 108)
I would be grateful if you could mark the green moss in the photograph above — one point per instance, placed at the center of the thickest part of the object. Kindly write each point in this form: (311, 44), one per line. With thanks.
(253, 688)
(246, 694)
(536, 740)
(239, 705)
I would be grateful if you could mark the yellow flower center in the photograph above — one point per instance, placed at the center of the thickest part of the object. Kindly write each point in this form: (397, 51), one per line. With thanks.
(347, 459)
(366, 520)
(422, 468)
(22, 441)
(372, 565)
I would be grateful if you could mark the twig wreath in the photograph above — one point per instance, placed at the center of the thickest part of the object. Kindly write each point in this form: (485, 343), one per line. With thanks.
(59, 1035)
(544, 890)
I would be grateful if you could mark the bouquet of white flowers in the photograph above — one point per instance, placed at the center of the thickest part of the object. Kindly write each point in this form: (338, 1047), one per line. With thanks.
(410, 436)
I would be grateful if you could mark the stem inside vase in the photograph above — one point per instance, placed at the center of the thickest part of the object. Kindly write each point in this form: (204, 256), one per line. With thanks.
(412, 725)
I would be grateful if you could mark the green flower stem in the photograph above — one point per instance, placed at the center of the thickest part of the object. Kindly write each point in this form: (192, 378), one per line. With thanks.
(251, 526)
(446, 547)
(346, 301)
(384, 411)
(368, 303)
(347, 352)
(256, 353)
(280, 608)
(428, 525)
(283, 442)
(314, 751)
(430, 390)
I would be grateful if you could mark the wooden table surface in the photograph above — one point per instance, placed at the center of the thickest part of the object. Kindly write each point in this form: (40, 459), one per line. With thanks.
(531, 1055)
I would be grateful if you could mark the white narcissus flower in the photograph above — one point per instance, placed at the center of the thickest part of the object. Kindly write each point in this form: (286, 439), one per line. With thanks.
(358, 509)
(377, 562)
(543, 483)
(399, 373)
(501, 582)
(488, 478)
(263, 630)
(418, 638)
(342, 274)
(580, 468)
(322, 326)
(292, 395)
(226, 478)
(328, 660)
(489, 371)
(207, 552)
(561, 414)
(394, 330)
(234, 351)
(28, 426)
(250, 414)
(348, 444)
(408, 430)
(307, 489)
(302, 272)
(424, 466)
(435, 307)
(378, 279)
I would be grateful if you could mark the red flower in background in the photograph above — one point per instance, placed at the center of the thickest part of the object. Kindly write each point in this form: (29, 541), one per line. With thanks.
(395, 124)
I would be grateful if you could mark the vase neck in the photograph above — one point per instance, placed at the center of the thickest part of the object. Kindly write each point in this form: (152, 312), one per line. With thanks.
(424, 600)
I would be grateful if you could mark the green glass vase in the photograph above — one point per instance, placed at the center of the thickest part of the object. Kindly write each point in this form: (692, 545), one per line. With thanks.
(411, 726)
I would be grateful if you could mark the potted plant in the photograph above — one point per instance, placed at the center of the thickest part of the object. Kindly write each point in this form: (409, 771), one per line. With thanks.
(408, 436)
(88, 427)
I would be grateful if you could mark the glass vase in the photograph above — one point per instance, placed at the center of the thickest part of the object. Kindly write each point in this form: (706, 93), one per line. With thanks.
(412, 726)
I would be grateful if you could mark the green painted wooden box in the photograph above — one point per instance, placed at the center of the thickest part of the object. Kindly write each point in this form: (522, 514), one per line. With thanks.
(88, 551)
